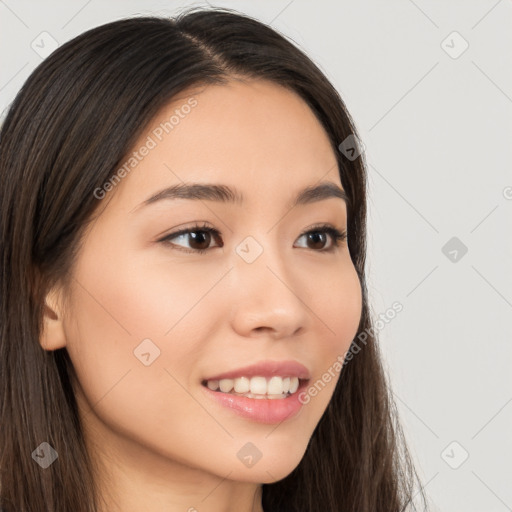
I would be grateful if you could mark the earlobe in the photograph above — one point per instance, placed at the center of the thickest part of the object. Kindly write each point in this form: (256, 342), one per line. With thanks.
(52, 336)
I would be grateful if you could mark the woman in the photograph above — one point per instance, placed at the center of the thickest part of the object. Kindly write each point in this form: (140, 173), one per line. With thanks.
(183, 281)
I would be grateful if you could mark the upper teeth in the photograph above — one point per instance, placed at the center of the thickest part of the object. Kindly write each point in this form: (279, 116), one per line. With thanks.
(256, 385)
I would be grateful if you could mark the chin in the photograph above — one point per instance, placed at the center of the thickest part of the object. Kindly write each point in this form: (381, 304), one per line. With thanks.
(270, 468)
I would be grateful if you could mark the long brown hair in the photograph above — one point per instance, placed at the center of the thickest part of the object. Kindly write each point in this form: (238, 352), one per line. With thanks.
(64, 136)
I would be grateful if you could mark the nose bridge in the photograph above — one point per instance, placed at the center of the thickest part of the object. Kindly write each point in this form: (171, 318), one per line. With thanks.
(260, 257)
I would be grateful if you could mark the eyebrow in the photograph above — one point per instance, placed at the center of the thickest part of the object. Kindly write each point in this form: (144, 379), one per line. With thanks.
(225, 194)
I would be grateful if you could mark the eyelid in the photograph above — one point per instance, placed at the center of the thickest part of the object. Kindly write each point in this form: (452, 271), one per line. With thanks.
(196, 227)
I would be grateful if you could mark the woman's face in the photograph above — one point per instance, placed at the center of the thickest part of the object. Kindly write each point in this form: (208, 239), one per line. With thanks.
(150, 320)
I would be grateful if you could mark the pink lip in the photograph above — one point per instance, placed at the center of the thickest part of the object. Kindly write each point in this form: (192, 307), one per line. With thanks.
(267, 369)
(262, 410)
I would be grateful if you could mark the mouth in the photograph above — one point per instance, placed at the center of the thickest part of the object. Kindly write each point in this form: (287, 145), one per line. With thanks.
(258, 387)
(268, 379)
(280, 402)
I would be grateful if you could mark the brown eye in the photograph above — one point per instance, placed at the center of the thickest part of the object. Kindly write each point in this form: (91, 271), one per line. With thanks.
(199, 238)
(317, 238)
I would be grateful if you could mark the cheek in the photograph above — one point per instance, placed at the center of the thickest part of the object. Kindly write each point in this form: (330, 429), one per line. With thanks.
(134, 334)
(338, 311)
(132, 345)
(338, 308)
(141, 298)
(127, 316)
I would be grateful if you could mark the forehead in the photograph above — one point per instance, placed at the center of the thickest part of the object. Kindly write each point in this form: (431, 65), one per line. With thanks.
(257, 136)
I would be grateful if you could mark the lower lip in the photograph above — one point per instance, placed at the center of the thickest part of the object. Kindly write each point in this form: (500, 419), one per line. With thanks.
(262, 410)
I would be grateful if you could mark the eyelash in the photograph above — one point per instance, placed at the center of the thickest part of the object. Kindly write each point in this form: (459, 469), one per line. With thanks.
(336, 235)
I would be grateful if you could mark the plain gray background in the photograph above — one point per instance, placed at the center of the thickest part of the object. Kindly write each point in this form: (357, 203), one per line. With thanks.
(429, 85)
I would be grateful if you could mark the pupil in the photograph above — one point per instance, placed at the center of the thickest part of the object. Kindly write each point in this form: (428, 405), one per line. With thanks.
(197, 238)
(315, 237)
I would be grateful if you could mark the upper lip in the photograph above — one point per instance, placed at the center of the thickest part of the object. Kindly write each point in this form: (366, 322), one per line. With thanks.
(266, 369)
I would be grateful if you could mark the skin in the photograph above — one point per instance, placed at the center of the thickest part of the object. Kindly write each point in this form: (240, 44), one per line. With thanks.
(157, 442)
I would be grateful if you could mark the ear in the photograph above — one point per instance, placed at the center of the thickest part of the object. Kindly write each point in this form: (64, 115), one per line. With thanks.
(53, 335)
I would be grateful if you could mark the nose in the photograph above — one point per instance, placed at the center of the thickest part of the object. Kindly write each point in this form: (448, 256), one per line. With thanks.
(269, 299)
